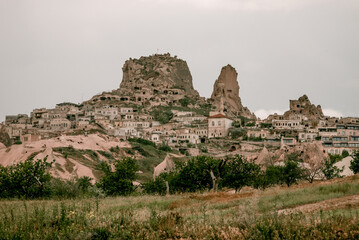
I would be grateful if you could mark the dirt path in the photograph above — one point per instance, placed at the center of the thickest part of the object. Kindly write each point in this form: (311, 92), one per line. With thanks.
(330, 204)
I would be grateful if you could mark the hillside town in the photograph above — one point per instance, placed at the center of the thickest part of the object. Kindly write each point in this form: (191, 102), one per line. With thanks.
(156, 101)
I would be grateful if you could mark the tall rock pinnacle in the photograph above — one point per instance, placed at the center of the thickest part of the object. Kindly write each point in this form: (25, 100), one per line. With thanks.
(225, 95)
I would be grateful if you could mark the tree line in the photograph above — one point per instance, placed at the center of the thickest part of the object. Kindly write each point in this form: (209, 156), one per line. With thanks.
(31, 178)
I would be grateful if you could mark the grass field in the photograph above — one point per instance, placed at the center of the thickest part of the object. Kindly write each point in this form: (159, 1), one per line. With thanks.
(322, 210)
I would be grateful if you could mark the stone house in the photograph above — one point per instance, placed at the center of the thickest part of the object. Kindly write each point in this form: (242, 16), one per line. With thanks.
(287, 124)
(156, 138)
(218, 126)
(83, 122)
(126, 110)
(308, 135)
(60, 124)
(14, 132)
(288, 141)
(188, 138)
(202, 132)
(110, 112)
(327, 131)
(135, 124)
(28, 138)
(258, 133)
(347, 130)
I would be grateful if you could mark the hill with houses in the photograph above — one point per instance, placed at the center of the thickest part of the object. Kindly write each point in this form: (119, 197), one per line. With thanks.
(156, 102)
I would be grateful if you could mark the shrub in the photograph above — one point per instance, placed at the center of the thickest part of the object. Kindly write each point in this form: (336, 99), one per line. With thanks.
(185, 101)
(345, 153)
(354, 164)
(157, 186)
(29, 179)
(329, 170)
(142, 141)
(119, 182)
(165, 148)
(115, 149)
(162, 115)
(64, 188)
(142, 151)
(250, 124)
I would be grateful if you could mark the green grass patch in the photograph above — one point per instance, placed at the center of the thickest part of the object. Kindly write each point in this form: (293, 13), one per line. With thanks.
(292, 198)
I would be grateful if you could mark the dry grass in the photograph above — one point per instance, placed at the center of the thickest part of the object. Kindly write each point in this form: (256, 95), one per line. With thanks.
(221, 215)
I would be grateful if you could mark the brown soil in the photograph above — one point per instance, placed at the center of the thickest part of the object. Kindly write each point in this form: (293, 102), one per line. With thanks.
(330, 204)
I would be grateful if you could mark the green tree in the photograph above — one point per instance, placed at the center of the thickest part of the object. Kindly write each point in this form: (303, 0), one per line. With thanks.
(354, 164)
(273, 175)
(195, 174)
(239, 173)
(292, 172)
(28, 179)
(162, 115)
(329, 170)
(345, 154)
(157, 186)
(119, 182)
(84, 183)
(185, 101)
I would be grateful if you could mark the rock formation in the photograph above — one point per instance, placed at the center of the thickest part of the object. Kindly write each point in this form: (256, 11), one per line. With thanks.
(225, 94)
(156, 80)
(312, 153)
(166, 165)
(304, 107)
(4, 137)
(264, 158)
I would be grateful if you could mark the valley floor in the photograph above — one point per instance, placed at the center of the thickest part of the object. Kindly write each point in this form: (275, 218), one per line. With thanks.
(322, 210)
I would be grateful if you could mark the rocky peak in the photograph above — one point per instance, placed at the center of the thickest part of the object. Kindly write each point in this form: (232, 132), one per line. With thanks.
(303, 106)
(225, 95)
(159, 78)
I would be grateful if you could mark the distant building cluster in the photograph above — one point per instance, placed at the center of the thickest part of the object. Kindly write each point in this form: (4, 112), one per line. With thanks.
(122, 122)
(185, 127)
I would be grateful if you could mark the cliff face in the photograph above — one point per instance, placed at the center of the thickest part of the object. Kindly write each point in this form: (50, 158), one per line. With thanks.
(303, 106)
(225, 94)
(157, 79)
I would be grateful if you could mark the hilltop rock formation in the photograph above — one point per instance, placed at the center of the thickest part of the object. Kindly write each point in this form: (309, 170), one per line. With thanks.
(303, 106)
(225, 94)
(156, 80)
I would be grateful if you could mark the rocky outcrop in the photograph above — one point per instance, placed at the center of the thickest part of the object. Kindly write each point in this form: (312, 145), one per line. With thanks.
(225, 94)
(156, 80)
(4, 137)
(304, 107)
(166, 165)
(311, 153)
(264, 158)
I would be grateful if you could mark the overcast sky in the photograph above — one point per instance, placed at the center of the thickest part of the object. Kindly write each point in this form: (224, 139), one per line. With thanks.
(69, 50)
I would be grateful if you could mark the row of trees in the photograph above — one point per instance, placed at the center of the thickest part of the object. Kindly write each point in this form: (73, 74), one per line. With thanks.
(31, 179)
(205, 172)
